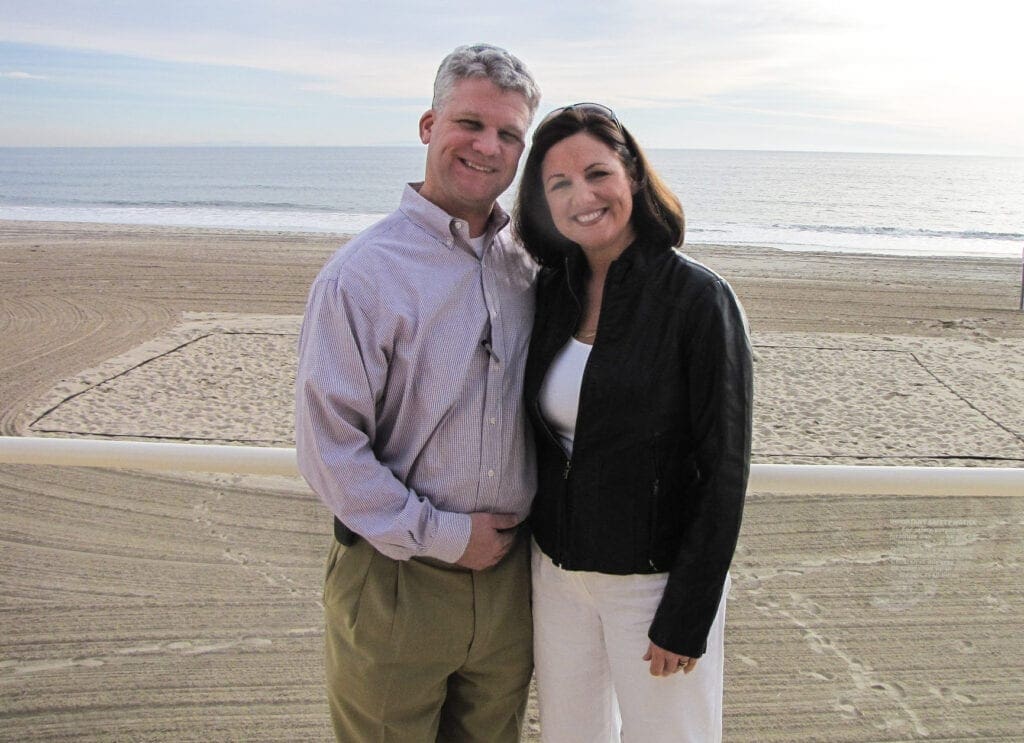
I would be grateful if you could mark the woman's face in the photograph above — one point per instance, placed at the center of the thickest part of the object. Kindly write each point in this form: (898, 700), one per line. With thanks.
(589, 194)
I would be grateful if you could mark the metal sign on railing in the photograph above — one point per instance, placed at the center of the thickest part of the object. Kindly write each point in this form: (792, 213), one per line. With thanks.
(794, 479)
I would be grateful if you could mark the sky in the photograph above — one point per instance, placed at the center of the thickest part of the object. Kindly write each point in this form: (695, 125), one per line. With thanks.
(844, 75)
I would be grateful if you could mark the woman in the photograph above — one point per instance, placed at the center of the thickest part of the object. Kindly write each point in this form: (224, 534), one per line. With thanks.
(639, 386)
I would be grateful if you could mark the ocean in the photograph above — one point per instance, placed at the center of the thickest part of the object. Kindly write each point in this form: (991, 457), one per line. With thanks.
(862, 203)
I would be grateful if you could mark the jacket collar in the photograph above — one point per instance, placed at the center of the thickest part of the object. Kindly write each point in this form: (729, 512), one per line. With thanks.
(631, 266)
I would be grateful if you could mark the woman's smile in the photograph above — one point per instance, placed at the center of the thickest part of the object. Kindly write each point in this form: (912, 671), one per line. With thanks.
(590, 217)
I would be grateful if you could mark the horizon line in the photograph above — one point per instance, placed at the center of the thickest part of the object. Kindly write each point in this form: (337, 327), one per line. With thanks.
(415, 146)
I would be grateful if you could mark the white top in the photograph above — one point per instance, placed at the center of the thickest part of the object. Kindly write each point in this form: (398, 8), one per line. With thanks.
(560, 393)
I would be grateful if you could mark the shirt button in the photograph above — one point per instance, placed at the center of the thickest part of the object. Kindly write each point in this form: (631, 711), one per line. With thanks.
(457, 224)
(493, 421)
(490, 473)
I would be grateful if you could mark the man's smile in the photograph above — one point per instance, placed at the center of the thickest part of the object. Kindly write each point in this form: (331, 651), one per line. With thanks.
(475, 166)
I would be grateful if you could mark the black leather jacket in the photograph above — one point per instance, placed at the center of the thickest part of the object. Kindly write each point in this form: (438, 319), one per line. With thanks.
(661, 450)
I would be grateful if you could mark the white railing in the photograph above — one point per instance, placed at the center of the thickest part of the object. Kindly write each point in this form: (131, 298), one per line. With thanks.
(148, 455)
(796, 479)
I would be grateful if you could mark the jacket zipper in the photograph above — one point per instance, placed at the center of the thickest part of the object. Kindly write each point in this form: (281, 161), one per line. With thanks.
(563, 536)
(652, 525)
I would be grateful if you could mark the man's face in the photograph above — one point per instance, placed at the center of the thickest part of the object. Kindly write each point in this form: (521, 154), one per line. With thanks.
(473, 146)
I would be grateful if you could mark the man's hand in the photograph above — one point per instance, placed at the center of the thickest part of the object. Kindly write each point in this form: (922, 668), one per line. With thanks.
(490, 540)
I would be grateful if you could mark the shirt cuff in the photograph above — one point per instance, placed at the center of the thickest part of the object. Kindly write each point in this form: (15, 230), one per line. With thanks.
(452, 536)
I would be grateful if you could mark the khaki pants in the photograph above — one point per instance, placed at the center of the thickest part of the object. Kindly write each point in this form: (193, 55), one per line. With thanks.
(420, 650)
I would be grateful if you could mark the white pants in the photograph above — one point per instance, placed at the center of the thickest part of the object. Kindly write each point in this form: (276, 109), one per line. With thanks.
(589, 639)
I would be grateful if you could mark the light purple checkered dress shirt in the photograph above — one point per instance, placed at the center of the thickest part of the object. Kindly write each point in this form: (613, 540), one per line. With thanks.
(409, 411)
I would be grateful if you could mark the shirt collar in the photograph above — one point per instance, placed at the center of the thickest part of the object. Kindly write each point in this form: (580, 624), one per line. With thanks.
(443, 225)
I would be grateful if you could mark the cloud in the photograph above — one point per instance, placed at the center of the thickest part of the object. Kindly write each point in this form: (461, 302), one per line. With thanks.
(391, 47)
(18, 75)
(907, 65)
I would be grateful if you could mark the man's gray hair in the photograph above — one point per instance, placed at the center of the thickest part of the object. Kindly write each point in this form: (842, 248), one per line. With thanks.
(484, 60)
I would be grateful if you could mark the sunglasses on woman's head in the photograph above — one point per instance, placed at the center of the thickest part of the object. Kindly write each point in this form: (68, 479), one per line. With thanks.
(587, 108)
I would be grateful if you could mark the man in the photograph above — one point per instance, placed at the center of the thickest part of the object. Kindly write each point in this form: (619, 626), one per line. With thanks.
(410, 428)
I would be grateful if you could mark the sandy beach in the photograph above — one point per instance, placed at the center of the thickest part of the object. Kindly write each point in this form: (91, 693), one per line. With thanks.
(164, 607)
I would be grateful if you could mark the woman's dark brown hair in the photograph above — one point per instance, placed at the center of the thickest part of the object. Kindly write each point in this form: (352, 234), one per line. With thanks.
(657, 214)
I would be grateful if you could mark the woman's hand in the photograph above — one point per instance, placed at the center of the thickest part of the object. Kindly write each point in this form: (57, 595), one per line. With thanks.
(665, 662)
